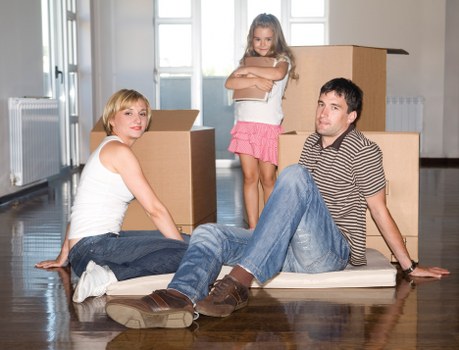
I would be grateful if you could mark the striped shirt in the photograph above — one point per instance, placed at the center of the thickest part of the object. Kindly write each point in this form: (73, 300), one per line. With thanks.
(346, 172)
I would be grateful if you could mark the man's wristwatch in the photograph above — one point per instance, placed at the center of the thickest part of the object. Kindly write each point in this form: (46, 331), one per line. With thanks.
(411, 268)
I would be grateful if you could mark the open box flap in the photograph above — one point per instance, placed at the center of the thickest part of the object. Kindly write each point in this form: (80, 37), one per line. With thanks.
(173, 120)
(99, 126)
(390, 51)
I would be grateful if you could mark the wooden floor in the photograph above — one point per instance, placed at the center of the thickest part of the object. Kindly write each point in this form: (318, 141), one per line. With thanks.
(37, 312)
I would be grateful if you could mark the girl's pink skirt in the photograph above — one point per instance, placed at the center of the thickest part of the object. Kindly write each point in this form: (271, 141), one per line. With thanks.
(258, 140)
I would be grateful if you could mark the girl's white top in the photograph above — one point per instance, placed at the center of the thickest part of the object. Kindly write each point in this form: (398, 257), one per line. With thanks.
(101, 200)
(269, 112)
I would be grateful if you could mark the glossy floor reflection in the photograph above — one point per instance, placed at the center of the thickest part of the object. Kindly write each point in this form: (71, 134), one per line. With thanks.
(37, 312)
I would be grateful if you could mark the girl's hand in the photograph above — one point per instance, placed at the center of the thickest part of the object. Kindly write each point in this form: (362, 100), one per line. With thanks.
(241, 71)
(264, 84)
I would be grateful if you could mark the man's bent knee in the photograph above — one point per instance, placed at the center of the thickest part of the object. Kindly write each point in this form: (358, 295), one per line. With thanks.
(206, 232)
(294, 173)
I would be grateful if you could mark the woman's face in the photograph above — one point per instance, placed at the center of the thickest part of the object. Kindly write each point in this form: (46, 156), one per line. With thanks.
(129, 124)
(262, 40)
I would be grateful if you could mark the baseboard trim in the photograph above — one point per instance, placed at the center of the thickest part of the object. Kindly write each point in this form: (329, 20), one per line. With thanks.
(24, 194)
(38, 188)
(439, 162)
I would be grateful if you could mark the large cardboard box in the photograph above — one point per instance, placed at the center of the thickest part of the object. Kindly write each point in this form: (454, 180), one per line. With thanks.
(179, 162)
(401, 165)
(316, 65)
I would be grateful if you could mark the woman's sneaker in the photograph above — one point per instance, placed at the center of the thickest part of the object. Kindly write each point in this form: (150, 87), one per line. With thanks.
(93, 282)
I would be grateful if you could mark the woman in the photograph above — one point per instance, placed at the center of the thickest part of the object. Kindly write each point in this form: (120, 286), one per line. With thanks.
(94, 245)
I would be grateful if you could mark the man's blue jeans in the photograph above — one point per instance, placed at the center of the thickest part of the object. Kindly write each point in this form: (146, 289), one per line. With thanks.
(129, 254)
(295, 233)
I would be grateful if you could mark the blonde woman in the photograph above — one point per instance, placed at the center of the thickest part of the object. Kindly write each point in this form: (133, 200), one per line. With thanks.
(94, 246)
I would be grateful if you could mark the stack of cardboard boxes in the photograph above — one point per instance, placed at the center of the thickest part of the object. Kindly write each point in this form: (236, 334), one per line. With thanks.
(367, 68)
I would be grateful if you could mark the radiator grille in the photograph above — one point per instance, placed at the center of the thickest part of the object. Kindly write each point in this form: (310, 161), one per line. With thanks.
(404, 113)
(34, 139)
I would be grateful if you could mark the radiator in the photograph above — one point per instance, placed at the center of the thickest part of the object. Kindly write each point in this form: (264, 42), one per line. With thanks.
(404, 113)
(34, 139)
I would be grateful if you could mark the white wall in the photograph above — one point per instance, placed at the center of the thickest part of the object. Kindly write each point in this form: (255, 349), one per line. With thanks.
(21, 68)
(417, 26)
(451, 111)
(123, 44)
(85, 77)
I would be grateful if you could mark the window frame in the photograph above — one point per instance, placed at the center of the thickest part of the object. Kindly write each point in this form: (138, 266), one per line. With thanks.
(240, 27)
(195, 69)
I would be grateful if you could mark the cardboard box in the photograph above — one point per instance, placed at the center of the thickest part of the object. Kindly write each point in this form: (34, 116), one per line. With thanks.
(136, 219)
(179, 162)
(377, 242)
(401, 166)
(316, 65)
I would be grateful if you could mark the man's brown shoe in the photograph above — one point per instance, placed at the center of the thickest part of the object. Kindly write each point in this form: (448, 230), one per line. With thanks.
(159, 309)
(227, 295)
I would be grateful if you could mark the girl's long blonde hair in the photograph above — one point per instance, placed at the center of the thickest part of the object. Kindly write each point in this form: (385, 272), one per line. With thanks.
(279, 45)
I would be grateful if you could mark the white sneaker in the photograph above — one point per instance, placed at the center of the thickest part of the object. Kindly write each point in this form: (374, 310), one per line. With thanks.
(90, 310)
(93, 282)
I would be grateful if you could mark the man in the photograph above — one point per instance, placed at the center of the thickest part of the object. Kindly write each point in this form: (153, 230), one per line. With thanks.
(313, 222)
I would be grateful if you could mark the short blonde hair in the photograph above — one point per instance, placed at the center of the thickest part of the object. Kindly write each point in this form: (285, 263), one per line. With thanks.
(119, 101)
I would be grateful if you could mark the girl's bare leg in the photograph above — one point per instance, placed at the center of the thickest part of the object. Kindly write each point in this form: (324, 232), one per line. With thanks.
(251, 175)
(267, 178)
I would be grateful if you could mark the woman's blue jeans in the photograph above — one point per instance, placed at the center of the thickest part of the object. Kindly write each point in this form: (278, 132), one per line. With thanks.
(129, 254)
(295, 233)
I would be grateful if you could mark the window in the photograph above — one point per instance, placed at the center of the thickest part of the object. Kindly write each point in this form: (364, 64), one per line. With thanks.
(177, 75)
(199, 42)
(308, 22)
(60, 70)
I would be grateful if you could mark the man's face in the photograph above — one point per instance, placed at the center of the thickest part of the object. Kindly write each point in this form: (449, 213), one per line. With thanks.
(332, 118)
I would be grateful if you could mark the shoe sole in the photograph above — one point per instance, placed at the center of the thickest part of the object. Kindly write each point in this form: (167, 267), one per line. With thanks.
(135, 318)
(203, 311)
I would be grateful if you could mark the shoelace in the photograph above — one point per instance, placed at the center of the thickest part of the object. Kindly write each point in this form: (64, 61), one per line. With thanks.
(221, 288)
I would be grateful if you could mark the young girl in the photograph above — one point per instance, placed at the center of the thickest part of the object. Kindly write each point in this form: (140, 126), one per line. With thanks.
(255, 135)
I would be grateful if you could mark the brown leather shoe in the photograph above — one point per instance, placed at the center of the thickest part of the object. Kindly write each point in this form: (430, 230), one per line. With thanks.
(227, 295)
(159, 309)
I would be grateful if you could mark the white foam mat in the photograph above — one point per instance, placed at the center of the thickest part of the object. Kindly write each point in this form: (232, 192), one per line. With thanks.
(378, 272)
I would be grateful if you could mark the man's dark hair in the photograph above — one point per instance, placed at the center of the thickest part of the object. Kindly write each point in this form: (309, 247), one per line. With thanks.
(347, 89)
